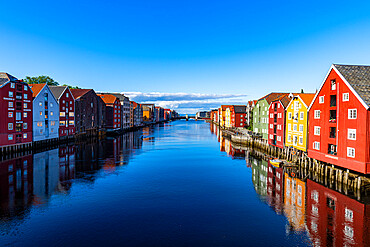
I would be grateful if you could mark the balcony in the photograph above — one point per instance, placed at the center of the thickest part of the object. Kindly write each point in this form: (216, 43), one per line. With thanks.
(332, 149)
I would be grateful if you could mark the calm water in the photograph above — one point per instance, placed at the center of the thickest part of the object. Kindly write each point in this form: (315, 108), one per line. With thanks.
(176, 184)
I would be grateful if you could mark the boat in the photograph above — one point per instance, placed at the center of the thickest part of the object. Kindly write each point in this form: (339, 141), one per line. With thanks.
(276, 162)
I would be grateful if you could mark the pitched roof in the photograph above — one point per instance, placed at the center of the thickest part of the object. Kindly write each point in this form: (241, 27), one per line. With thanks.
(36, 88)
(57, 90)
(358, 76)
(272, 96)
(108, 98)
(77, 93)
(5, 77)
(306, 97)
(223, 107)
(284, 99)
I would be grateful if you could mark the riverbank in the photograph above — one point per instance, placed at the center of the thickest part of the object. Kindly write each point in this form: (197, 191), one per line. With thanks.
(298, 162)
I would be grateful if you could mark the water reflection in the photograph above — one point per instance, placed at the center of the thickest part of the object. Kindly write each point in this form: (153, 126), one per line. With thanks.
(33, 179)
(329, 217)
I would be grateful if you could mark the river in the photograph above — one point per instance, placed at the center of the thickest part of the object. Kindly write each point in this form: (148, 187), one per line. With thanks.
(174, 184)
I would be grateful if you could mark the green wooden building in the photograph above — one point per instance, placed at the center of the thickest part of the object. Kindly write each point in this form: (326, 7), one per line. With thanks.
(261, 114)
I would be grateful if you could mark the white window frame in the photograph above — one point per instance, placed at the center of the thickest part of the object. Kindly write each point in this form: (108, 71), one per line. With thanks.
(351, 152)
(321, 99)
(351, 134)
(317, 130)
(301, 115)
(317, 114)
(352, 113)
(289, 116)
(301, 127)
(316, 145)
(289, 127)
(345, 97)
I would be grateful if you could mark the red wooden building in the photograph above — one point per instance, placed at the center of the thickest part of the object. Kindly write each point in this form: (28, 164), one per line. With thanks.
(66, 110)
(276, 128)
(333, 219)
(15, 111)
(238, 116)
(339, 119)
(113, 111)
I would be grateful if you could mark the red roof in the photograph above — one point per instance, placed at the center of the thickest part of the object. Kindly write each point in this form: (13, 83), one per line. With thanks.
(36, 88)
(108, 98)
(306, 97)
(78, 92)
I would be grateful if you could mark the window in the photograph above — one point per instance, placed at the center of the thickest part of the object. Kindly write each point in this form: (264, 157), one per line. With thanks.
(271, 136)
(332, 85)
(10, 104)
(67, 95)
(25, 88)
(52, 123)
(40, 103)
(25, 136)
(51, 113)
(271, 126)
(317, 114)
(350, 152)
(12, 85)
(39, 124)
(348, 213)
(301, 128)
(301, 140)
(290, 127)
(10, 94)
(317, 130)
(71, 122)
(352, 113)
(294, 127)
(18, 116)
(289, 115)
(40, 113)
(25, 105)
(10, 137)
(51, 104)
(321, 99)
(289, 138)
(316, 145)
(62, 114)
(62, 123)
(24, 114)
(333, 100)
(64, 101)
(10, 114)
(70, 102)
(345, 96)
(301, 115)
(351, 134)
(70, 108)
(10, 126)
(25, 126)
(332, 132)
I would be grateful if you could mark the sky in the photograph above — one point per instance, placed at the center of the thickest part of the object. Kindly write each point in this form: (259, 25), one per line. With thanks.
(189, 55)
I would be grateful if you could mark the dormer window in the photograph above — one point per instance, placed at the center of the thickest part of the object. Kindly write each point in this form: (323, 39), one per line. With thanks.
(332, 84)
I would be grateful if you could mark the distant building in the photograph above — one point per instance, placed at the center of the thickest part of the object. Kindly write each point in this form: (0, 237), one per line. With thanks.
(45, 113)
(260, 114)
(297, 121)
(113, 112)
(137, 114)
(250, 106)
(235, 116)
(66, 104)
(89, 111)
(15, 111)
(125, 108)
(203, 114)
(148, 112)
(277, 121)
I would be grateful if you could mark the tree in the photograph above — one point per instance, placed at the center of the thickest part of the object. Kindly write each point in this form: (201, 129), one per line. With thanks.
(41, 79)
(75, 87)
(302, 90)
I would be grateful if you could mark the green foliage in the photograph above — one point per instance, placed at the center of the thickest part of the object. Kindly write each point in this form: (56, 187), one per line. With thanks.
(41, 79)
(71, 87)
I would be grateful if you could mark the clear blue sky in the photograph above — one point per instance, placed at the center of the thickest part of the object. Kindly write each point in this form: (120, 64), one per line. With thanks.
(216, 47)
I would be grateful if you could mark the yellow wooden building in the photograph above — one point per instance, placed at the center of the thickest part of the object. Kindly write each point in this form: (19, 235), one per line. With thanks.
(297, 120)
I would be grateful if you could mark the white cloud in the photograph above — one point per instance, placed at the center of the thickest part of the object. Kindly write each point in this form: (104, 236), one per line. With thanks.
(187, 103)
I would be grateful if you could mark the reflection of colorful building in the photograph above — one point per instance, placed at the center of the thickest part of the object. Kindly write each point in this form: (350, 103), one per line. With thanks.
(259, 176)
(334, 219)
(275, 187)
(16, 184)
(294, 202)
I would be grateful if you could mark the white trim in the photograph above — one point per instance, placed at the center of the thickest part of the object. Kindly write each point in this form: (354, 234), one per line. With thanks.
(345, 81)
